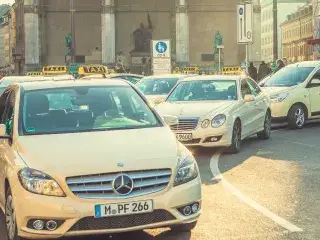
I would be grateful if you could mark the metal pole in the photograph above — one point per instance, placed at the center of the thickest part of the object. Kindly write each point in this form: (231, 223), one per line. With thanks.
(247, 58)
(10, 51)
(73, 33)
(219, 59)
(275, 30)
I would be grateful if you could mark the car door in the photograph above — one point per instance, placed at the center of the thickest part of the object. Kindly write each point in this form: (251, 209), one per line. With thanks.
(247, 112)
(4, 100)
(314, 95)
(260, 105)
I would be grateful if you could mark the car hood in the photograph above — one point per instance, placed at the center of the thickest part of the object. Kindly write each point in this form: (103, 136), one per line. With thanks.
(193, 109)
(156, 99)
(274, 90)
(66, 155)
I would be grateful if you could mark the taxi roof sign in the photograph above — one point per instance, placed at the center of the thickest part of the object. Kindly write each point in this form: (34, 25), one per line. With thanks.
(34, 73)
(231, 69)
(191, 69)
(54, 69)
(92, 69)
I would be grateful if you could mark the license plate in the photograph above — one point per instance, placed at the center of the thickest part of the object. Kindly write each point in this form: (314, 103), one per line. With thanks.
(118, 209)
(184, 136)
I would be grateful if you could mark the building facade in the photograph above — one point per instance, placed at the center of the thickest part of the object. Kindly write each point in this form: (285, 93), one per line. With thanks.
(255, 48)
(4, 40)
(106, 29)
(285, 7)
(296, 31)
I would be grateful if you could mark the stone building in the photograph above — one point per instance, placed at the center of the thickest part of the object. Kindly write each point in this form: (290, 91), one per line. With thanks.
(285, 7)
(296, 31)
(4, 40)
(109, 27)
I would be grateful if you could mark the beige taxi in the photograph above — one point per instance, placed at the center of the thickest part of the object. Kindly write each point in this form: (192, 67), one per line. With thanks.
(294, 92)
(218, 111)
(157, 87)
(91, 157)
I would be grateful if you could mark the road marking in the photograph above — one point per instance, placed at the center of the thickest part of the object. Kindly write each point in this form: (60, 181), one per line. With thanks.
(267, 213)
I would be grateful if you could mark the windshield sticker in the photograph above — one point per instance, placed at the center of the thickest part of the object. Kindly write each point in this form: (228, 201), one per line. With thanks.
(31, 129)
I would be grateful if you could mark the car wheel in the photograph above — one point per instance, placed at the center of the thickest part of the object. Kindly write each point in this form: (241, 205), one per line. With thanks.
(236, 138)
(265, 134)
(184, 227)
(10, 217)
(296, 117)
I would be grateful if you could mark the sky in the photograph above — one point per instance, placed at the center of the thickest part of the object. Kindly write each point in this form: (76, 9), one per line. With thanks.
(7, 2)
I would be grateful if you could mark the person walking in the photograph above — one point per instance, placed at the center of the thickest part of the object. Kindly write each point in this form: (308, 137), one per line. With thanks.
(280, 65)
(253, 71)
(263, 71)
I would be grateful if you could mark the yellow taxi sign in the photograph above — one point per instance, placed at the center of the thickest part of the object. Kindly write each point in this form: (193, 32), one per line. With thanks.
(191, 69)
(231, 70)
(54, 69)
(34, 73)
(92, 69)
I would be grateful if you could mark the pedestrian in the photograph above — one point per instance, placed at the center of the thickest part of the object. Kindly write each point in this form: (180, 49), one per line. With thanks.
(253, 71)
(280, 65)
(285, 61)
(263, 71)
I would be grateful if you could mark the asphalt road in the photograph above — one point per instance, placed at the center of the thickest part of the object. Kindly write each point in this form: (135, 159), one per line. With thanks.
(270, 190)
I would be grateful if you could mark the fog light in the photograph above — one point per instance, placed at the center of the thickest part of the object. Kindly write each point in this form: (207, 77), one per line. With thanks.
(195, 207)
(51, 225)
(187, 210)
(38, 224)
(214, 139)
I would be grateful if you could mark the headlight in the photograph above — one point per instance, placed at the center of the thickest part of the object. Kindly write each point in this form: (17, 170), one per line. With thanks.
(39, 183)
(205, 123)
(279, 97)
(187, 169)
(218, 120)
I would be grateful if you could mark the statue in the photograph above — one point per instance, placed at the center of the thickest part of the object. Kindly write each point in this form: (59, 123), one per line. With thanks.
(218, 40)
(68, 40)
(142, 37)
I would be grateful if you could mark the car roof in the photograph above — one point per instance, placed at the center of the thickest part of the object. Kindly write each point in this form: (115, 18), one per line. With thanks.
(126, 74)
(213, 77)
(38, 85)
(166, 76)
(305, 64)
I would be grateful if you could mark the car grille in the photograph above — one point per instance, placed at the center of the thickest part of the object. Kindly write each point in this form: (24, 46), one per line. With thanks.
(185, 124)
(127, 221)
(100, 186)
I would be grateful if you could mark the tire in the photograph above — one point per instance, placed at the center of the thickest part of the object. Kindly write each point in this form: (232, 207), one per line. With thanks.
(184, 227)
(266, 132)
(296, 117)
(236, 138)
(11, 225)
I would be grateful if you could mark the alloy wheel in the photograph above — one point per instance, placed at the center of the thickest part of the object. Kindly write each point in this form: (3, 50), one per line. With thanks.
(299, 117)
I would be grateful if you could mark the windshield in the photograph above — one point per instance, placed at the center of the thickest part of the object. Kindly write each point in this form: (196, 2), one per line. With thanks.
(289, 76)
(205, 90)
(80, 109)
(156, 86)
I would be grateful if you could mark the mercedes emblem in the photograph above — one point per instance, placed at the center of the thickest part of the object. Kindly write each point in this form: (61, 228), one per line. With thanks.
(122, 184)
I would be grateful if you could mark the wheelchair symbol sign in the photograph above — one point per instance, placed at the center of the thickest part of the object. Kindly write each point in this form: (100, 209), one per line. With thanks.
(161, 47)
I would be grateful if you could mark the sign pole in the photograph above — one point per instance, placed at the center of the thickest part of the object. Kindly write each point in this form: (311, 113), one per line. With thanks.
(219, 59)
(247, 59)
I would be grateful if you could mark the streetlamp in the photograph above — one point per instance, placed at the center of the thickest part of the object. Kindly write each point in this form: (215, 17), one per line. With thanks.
(73, 33)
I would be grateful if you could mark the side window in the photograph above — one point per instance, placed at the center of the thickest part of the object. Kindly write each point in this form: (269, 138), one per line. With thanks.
(3, 100)
(245, 89)
(253, 87)
(315, 81)
(8, 115)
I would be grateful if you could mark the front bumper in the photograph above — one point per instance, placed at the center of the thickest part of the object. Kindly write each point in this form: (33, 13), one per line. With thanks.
(280, 110)
(78, 219)
(209, 137)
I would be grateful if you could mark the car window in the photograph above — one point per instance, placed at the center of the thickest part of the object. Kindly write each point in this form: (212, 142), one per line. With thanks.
(289, 76)
(157, 85)
(204, 90)
(253, 87)
(245, 88)
(3, 100)
(9, 112)
(78, 109)
(133, 79)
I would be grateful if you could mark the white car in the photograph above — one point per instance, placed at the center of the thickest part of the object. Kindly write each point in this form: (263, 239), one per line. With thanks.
(218, 111)
(157, 87)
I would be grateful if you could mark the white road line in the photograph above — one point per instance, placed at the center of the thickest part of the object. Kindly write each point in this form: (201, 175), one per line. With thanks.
(277, 219)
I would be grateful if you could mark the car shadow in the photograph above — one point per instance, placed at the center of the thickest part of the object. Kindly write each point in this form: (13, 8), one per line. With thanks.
(138, 235)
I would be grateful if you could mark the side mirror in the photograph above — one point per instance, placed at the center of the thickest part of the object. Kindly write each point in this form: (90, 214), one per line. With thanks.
(249, 98)
(315, 81)
(170, 120)
(3, 131)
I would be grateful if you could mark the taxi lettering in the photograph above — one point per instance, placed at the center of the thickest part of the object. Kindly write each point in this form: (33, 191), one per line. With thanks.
(92, 69)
